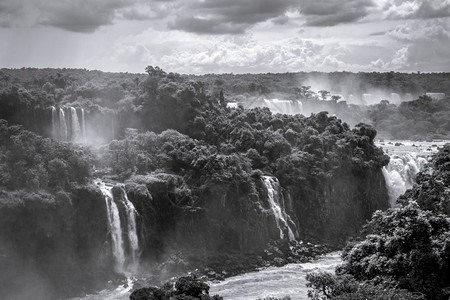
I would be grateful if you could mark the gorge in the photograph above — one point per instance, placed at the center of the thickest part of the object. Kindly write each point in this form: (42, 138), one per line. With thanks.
(172, 180)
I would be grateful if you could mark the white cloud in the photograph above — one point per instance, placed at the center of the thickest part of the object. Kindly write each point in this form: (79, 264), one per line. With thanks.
(415, 9)
(182, 52)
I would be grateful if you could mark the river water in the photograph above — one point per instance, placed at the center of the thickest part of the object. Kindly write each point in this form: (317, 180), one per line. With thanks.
(288, 280)
(279, 282)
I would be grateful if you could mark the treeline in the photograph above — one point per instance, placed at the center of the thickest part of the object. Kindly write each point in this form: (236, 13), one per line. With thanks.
(404, 252)
(338, 82)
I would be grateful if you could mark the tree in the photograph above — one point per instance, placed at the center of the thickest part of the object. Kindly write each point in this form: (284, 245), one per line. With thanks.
(323, 94)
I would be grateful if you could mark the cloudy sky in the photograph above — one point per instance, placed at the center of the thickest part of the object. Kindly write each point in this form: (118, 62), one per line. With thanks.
(217, 36)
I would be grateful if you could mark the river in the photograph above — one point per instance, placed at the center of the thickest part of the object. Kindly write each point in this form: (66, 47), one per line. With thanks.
(279, 282)
(288, 280)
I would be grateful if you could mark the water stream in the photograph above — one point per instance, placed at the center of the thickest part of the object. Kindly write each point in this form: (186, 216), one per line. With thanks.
(279, 282)
(277, 207)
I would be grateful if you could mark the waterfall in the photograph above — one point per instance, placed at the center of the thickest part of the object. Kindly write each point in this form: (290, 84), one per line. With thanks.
(67, 125)
(290, 107)
(281, 217)
(132, 231)
(76, 129)
(114, 226)
(62, 124)
(54, 125)
(400, 174)
(126, 255)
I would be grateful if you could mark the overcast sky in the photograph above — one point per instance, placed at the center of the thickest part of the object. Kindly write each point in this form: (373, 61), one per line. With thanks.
(217, 36)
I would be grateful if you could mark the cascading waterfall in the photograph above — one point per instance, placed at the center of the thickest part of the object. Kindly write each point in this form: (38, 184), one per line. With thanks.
(400, 174)
(126, 255)
(114, 226)
(62, 124)
(281, 217)
(290, 107)
(132, 231)
(76, 129)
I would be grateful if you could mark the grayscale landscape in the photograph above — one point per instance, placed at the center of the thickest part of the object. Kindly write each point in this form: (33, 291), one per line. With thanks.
(225, 149)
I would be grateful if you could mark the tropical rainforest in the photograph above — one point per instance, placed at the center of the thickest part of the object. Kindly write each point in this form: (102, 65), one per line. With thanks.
(197, 173)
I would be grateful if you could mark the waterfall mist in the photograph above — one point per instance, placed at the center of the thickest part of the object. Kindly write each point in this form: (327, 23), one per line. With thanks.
(72, 124)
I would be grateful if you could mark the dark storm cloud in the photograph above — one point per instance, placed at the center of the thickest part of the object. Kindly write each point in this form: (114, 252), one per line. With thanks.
(236, 16)
(79, 16)
(228, 16)
(202, 26)
(75, 15)
(333, 12)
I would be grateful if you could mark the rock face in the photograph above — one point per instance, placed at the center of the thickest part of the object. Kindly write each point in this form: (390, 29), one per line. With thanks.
(335, 209)
(67, 243)
(52, 245)
(61, 243)
(226, 219)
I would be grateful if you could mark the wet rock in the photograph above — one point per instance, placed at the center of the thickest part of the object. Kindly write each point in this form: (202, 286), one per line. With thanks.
(278, 261)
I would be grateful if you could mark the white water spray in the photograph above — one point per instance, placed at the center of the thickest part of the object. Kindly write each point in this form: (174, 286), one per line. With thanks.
(62, 124)
(114, 226)
(281, 216)
(401, 172)
(75, 128)
(290, 107)
(132, 232)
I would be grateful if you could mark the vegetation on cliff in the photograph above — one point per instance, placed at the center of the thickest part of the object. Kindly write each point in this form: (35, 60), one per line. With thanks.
(405, 251)
(33, 162)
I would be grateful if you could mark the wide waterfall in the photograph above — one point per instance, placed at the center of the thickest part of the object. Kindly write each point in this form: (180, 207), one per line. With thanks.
(401, 173)
(407, 160)
(290, 107)
(281, 217)
(124, 243)
(66, 125)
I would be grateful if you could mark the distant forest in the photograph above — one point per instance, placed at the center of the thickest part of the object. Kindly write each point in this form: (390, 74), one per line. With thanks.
(337, 93)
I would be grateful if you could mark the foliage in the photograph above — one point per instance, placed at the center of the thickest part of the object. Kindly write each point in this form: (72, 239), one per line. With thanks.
(431, 191)
(30, 161)
(407, 245)
(345, 287)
